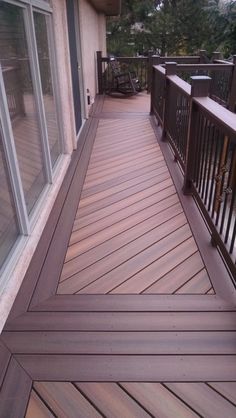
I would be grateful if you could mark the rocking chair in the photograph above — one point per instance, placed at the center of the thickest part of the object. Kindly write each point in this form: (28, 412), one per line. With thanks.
(123, 82)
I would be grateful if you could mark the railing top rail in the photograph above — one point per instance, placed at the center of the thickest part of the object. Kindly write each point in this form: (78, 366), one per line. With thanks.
(132, 58)
(181, 57)
(180, 84)
(160, 69)
(221, 115)
(222, 62)
(212, 66)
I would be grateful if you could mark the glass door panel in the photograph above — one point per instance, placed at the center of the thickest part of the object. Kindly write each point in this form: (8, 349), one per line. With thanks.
(9, 230)
(14, 58)
(40, 22)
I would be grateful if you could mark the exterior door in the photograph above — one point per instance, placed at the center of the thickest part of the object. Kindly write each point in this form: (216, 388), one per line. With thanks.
(74, 63)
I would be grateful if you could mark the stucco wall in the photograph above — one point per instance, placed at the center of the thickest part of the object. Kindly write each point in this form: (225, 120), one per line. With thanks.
(64, 73)
(93, 38)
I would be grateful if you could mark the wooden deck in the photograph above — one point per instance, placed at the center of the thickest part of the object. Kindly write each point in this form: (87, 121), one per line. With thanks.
(117, 316)
(130, 234)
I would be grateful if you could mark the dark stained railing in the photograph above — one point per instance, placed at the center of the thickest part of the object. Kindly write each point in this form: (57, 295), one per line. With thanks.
(141, 65)
(202, 134)
(222, 73)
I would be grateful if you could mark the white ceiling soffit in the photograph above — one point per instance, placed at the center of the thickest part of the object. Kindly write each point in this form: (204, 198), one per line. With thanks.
(109, 7)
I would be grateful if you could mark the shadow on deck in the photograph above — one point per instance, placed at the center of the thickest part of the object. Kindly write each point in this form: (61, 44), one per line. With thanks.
(124, 290)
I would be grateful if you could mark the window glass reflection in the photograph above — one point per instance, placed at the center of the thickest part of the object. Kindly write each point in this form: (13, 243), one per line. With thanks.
(14, 58)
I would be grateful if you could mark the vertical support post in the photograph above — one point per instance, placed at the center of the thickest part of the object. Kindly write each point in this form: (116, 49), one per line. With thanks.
(149, 78)
(216, 56)
(170, 70)
(232, 94)
(99, 72)
(200, 88)
(202, 56)
(152, 60)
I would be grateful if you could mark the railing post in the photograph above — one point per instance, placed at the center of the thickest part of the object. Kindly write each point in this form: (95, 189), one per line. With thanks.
(232, 94)
(202, 56)
(170, 70)
(216, 56)
(99, 72)
(200, 88)
(152, 60)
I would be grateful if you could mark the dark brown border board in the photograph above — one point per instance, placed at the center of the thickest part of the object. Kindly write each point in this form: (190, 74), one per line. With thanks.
(58, 228)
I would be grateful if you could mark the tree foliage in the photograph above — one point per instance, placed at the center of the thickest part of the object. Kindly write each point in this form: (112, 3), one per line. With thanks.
(173, 27)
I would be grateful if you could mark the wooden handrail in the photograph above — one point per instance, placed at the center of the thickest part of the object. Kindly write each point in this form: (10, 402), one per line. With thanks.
(221, 115)
(202, 135)
(180, 84)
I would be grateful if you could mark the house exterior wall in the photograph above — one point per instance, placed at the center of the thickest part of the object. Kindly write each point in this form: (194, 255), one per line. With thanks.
(93, 38)
(92, 29)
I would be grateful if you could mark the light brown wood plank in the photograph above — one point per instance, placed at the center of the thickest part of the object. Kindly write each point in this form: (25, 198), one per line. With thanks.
(203, 399)
(123, 186)
(140, 261)
(171, 281)
(131, 193)
(113, 162)
(123, 178)
(112, 400)
(200, 283)
(226, 389)
(65, 400)
(36, 408)
(122, 165)
(126, 171)
(145, 278)
(133, 249)
(132, 215)
(116, 244)
(158, 400)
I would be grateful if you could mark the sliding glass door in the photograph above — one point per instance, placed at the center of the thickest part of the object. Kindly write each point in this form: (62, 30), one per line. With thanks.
(30, 131)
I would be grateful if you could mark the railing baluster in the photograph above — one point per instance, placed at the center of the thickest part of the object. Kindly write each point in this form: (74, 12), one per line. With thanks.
(200, 88)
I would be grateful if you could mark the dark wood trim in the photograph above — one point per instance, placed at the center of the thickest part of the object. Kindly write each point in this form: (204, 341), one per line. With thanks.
(124, 368)
(51, 270)
(122, 342)
(125, 321)
(133, 303)
(33, 273)
(98, 105)
(215, 266)
(15, 391)
(5, 356)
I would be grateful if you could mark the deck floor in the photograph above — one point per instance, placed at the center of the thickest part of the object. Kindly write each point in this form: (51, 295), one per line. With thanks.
(117, 315)
(130, 234)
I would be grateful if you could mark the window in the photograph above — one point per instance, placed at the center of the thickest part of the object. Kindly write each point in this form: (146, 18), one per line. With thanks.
(9, 230)
(41, 31)
(29, 109)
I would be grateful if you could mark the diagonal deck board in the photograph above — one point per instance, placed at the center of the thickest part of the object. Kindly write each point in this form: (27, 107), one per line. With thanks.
(128, 209)
(140, 400)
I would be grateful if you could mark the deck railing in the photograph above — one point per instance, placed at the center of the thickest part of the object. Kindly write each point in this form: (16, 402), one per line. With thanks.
(141, 65)
(223, 73)
(202, 135)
